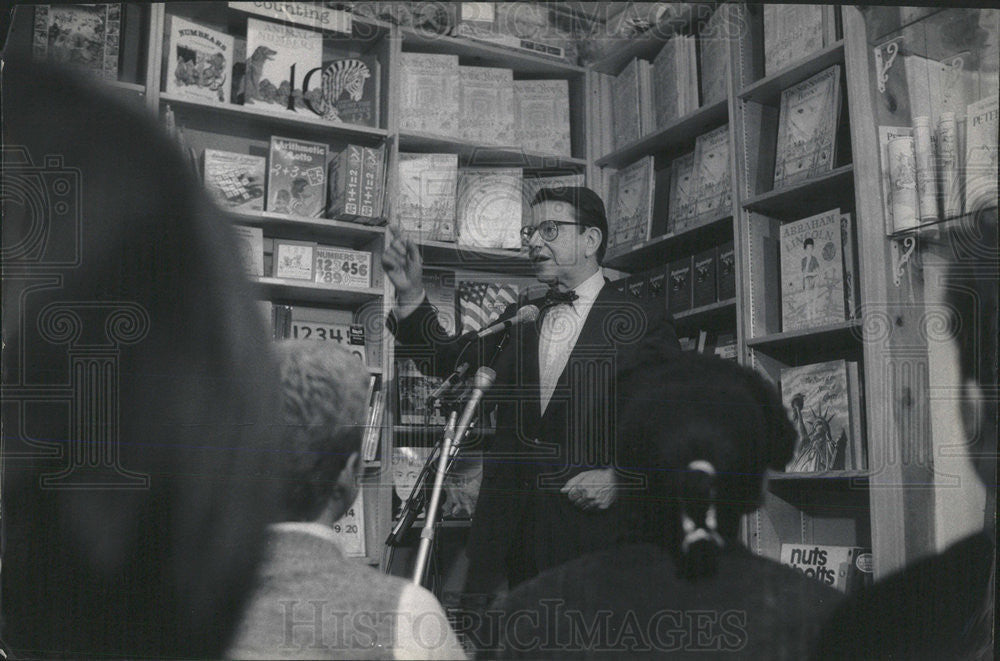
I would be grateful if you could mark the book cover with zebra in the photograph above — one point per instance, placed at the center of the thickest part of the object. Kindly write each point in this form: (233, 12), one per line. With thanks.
(351, 87)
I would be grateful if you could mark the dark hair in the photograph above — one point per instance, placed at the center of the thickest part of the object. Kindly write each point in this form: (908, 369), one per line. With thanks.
(157, 556)
(323, 400)
(808, 242)
(587, 207)
(702, 432)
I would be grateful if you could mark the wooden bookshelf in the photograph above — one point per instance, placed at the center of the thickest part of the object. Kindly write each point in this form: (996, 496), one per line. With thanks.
(670, 139)
(291, 291)
(802, 199)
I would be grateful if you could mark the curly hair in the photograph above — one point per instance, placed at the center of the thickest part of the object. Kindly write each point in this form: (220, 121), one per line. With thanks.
(323, 404)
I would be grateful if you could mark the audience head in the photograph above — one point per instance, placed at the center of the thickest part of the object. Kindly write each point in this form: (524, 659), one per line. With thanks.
(588, 210)
(971, 298)
(323, 399)
(136, 498)
(702, 431)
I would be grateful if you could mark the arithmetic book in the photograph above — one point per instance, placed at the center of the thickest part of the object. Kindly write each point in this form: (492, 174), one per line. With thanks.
(199, 62)
(807, 128)
(273, 50)
(235, 181)
(812, 272)
(296, 182)
(817, 398)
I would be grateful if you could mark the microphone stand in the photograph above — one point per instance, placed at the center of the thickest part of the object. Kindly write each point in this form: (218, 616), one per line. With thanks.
(484, 379)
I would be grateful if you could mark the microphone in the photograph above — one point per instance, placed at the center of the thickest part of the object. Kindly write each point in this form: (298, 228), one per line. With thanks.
(481, 382)
(527, 314)
(448, 383)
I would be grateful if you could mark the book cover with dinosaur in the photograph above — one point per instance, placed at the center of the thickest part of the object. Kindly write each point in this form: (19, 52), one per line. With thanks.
(278, 59)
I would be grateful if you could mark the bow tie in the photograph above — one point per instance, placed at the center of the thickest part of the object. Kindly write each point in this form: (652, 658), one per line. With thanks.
(555, 297)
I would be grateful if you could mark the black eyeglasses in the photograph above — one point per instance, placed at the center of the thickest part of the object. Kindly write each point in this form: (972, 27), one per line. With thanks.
(548, 229)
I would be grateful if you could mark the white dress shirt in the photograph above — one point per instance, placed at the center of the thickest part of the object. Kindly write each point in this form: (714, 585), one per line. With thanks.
(560, 329)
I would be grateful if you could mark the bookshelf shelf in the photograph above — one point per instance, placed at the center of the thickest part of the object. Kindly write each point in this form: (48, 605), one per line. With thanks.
(839, 477)
(661, 249)
(935, 228)
(289, 291)
(832, 337)
(259, 115)
(648, 44)
(724, 309)
(678, 135)
(767, 90)
(483, 53)
(123, 86)
(300, 228)
(834, 189)
(487, 155)
(444, 254)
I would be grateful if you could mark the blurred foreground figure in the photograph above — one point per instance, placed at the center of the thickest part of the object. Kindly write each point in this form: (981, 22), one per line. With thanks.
(138, 385)
(942, 607)
(702, 432)
(311, 602)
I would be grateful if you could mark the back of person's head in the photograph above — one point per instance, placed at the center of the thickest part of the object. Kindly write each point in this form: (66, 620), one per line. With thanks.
(587, 206)
(971, 299)
(702, 431)
(323, 400)
(136, 486)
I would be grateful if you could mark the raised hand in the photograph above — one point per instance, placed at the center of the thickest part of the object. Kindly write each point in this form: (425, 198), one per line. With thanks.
(402, 263)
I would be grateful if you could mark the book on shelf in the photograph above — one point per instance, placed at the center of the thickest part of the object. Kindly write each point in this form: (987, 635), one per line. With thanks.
(726, 271)
(349, 529)
(713, 43)
(373, 184)
(235, 181)
(791, 32)
(688, 343)
(683, 194)
(279, 57)
(293, 260)
(852, 286)
(712, 187)
(627, 105)
(857, 454)
(342, 267)
(679, 296)
(373, 428)
(846, 568)
(534, 181)
(321, 325)
(84, 37)
(636, 286)
(429, 93)
(886, 134)
(703, 285)
(522, 26)
(250, 242)
(606, 104)
(344, 183)
(486, 105)
(630, 206)
(981, 155)
(425, 202)
(351, 90)
(807, 128)
(812, 272)
(541, 116)
(675, 80)
(488, 208)
(926, 171)
(296, 181)
(482, 300)
(414, 385)
(406, 465)
(199, 62)
(656, 286)
(821, 407)
(620, 285)
(281, 320)
(725, 346)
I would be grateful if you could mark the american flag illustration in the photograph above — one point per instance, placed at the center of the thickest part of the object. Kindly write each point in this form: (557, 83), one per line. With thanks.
(481, 302)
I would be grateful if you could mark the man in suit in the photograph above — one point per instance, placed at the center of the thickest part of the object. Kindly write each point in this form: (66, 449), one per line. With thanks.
(550, 479)
(310, 601)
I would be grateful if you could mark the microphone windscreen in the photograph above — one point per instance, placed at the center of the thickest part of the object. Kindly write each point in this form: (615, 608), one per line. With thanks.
(528, 313)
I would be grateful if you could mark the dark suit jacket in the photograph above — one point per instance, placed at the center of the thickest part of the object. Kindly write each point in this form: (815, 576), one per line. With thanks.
(532, 456)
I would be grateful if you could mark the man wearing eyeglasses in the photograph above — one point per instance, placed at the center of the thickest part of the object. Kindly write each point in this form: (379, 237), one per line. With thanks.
(550, 478)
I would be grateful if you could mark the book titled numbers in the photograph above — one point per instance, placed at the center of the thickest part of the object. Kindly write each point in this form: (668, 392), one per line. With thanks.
(199, 62)
(341, 267)
(807, 128)
(296, 181)
(350, 529)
